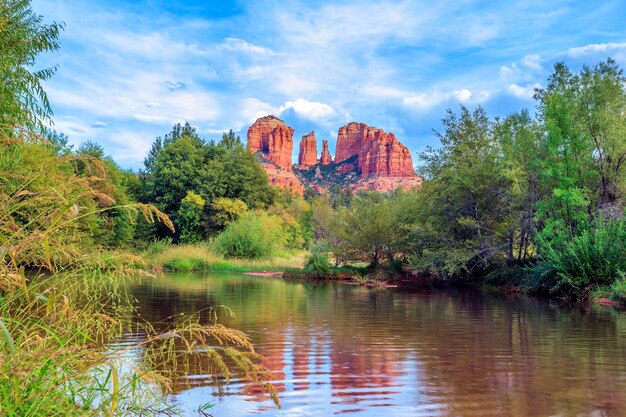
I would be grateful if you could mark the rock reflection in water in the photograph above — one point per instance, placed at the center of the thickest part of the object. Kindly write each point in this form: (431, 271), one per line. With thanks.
(343, 349)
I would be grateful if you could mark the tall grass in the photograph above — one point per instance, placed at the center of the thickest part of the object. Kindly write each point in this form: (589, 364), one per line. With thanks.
(55, 329)
(203, 258)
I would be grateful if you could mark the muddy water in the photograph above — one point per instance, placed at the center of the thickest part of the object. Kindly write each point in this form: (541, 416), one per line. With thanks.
(341, 349)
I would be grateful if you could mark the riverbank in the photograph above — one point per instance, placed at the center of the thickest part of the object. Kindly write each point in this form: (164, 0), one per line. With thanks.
(202, 258)
(298, 266)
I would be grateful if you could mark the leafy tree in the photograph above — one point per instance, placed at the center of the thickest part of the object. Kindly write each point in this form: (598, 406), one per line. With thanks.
(520, 142)
(182, 162)
(227, 210)
(189, 218)
(584, 119)
(23, 36)
(465, 211)
(59, 142)
(371, 229)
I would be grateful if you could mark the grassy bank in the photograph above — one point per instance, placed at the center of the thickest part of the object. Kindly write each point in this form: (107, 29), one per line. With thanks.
(202, 258)
(55, 357)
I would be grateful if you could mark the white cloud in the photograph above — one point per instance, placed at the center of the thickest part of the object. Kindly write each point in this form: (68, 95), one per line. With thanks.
(99, 125)
(312, 110)
(252, 108)
(595, 48)
(428, 100)
(463, 95)
(533, 62)
(423, 100)
(523, 92)
(240, 45)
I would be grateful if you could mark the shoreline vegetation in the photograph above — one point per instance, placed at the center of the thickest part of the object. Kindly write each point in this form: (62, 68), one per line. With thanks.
(532, 200)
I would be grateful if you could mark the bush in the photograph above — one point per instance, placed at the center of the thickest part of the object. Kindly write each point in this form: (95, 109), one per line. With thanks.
(596, 257)
(318, 265)
(158, 246)
(253, 236)
(618, 291)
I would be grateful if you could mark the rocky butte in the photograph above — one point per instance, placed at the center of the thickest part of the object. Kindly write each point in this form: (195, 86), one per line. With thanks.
(325, 159)
(365, 158)
(272, 141)
(308, 151)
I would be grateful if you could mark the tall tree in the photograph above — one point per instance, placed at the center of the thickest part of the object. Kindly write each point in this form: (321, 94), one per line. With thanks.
(23, 36)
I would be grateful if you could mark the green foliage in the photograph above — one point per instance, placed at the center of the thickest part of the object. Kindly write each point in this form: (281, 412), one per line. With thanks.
(182, 162)
(466, 211)
(253, 236)
(24, 36)
(227, 210)
(618, 291)
(595, 257)
(188, 218)
(158, 246)
(317, 264)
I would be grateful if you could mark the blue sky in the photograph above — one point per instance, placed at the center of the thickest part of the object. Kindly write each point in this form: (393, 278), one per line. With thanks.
(129, 70)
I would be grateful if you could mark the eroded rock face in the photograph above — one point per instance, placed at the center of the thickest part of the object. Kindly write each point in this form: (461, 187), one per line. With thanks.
(366, 158)
(282, 178)
(378, 153)
(274, 139)
(325, 158)
(308, 150)
(349, 139)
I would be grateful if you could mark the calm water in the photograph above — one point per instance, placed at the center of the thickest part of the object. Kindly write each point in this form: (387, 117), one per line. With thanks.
(342, 349)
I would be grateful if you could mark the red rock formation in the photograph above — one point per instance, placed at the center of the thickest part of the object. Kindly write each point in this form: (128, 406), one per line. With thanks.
(308, 151)
(273, 138)
(282, 178)
(378, 153)
(349, 140)
(325, 159)
(379, 161)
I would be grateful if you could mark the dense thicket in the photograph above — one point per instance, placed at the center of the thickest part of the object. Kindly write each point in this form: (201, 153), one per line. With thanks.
(226, 177)
(539, 198)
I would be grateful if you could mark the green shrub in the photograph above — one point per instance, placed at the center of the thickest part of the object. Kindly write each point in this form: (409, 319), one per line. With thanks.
(252, 236)
(318, 265)
(595, 257)
(158, 246)
(189, 217)
(618, 291)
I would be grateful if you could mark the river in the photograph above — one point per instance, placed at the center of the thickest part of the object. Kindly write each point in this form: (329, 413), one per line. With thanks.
(343, 349)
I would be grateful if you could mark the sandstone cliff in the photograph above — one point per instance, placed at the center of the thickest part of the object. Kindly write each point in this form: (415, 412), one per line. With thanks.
(365, 158)
(378, 153)
(308, 151)
(274, 139)
(325, 158)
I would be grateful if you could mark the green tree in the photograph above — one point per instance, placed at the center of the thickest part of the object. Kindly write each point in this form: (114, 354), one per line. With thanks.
(182, 162)
(465, 219)
(371, 229)
(24, 36)
(189, 218)
(227, 210)
(520, 140)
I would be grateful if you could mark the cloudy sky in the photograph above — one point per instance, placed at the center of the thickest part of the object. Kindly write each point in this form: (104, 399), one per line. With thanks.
(129, 70)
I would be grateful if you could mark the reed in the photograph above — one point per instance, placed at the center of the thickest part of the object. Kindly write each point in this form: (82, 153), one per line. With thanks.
(55, 327)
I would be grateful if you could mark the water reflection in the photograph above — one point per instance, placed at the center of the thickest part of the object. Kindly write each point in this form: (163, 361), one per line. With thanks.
(337, 349)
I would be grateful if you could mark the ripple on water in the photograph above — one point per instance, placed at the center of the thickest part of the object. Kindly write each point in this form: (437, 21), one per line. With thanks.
(350, 350)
